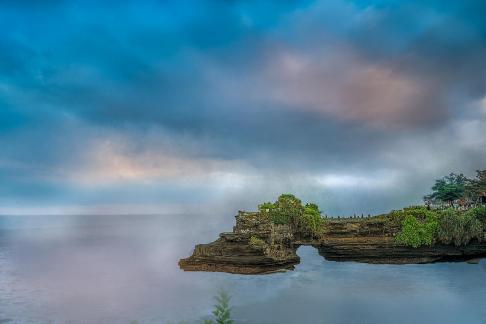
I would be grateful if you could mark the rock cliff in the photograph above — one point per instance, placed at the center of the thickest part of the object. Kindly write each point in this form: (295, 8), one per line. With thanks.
(233, 253)
(257, 246)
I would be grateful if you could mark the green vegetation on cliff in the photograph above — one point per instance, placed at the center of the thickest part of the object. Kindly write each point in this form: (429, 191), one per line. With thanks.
(311, 221)
(256, 242)
(459, 227)
(457, 216)
(420, 226)
(454, 214)
(414, 226)
(288, 210)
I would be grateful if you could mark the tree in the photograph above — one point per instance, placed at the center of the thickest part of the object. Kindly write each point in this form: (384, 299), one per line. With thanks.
(312, 206)
(310, 223)
(474, 188)
(449, 188)
(287, 209)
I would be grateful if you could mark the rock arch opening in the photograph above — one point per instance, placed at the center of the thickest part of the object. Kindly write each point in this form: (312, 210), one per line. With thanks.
(309, 257)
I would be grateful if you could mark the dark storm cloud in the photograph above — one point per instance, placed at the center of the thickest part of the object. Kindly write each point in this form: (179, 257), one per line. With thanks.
(266, 89)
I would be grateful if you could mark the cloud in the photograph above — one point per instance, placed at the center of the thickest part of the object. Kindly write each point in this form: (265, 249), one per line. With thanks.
(238, 99)
(116, 159)
(342, 86)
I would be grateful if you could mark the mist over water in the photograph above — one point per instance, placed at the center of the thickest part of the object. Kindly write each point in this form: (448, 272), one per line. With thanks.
(114, 269)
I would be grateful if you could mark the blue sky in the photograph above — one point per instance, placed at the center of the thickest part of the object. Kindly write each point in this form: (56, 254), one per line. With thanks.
(143, 106)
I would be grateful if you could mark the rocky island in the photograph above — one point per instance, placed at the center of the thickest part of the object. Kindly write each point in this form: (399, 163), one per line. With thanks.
(257, 246)
(266, 241)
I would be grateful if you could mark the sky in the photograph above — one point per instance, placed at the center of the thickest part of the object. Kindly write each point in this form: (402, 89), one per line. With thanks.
(153, 106)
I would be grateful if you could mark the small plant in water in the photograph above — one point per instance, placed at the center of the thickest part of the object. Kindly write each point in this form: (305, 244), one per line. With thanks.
(222, 309)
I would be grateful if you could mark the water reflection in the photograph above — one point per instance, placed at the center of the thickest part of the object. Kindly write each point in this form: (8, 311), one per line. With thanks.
(113, 269)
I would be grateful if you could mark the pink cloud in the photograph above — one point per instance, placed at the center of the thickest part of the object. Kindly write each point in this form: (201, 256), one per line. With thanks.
(342, 85)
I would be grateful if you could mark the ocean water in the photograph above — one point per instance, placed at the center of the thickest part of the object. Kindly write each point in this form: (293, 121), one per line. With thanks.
(115, 269)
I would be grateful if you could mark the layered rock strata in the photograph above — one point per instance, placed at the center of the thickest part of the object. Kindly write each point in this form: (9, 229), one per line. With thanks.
(233, 253)
(257, 246)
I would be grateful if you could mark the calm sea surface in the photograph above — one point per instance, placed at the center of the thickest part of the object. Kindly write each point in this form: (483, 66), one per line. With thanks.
(115, 269)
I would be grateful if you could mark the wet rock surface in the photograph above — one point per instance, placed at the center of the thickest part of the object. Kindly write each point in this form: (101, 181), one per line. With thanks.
(368, 240)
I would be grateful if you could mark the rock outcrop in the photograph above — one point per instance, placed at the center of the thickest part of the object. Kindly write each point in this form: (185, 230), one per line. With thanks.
(234, 253)
(371, 240)
(257, 246)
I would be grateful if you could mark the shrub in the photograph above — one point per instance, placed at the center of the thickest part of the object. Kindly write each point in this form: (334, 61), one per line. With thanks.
(288, 209)
(310, 224)
(256, 242)
(266, 208)
(479, 213)
(418, 226)
(458, 227)
(312, 206)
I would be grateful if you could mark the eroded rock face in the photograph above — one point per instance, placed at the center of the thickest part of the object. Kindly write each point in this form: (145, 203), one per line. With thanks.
(233, 253)
(369, 240)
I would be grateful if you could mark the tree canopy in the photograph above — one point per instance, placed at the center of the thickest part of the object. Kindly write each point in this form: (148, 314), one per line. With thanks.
(474, 188)
(288, 209)
(454, 187)
(449, 188)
